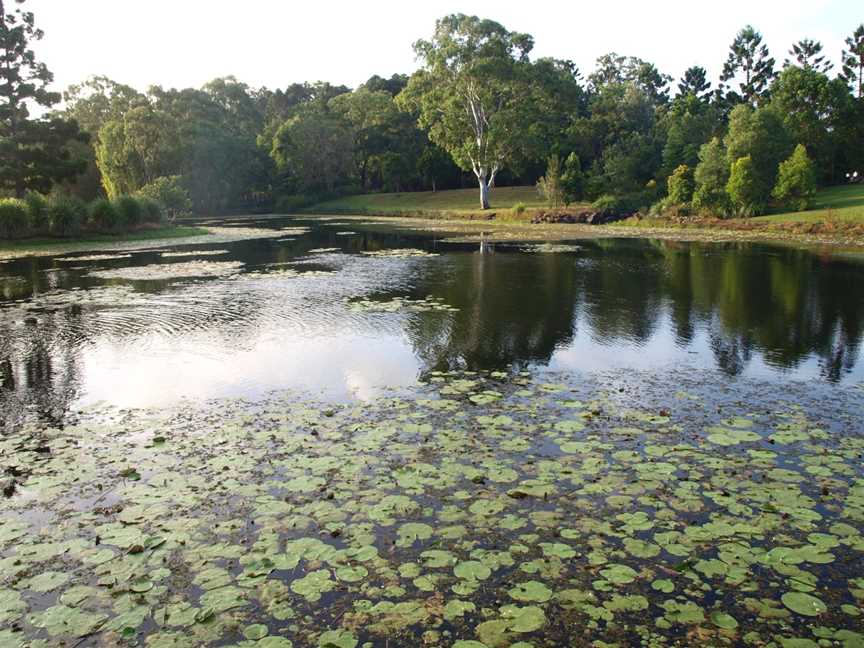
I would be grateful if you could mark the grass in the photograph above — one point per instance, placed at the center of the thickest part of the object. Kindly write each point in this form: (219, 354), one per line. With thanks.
(845, 204)
(421, 202)
(144, 235)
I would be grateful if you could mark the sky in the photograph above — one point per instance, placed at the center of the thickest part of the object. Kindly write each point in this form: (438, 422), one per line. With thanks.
(182, 43)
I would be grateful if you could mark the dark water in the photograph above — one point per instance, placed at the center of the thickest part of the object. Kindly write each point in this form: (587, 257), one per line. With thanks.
(68, 338)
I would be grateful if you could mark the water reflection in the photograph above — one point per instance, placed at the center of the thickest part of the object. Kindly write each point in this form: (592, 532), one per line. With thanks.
(68, 339)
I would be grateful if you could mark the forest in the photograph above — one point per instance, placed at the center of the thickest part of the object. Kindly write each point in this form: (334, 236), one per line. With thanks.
(479, 110)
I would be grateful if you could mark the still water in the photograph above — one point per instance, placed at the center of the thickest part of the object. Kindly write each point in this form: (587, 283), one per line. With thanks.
(280, 313)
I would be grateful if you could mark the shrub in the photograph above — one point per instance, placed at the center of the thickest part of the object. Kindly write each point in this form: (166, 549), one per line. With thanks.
(65, 215)
(103, 216)
(745, 188)
(37, 212)
(14, 222)
(680, 186)
(572, 180)
(711, 176)
(129, 211)
(796, 181)
(169, 192)
(549, 186)
(151, 211)
(519, 208)
(619, 205)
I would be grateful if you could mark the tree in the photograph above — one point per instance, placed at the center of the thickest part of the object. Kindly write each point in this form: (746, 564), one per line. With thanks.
(168, 192)
(34, 153)
(471, 94)
(136, 149)
(434, 164)
(711, 176)
(572, 180)
(761, 136)
(750, 58)
(549, 186)
(853, 61)
(814, 108)
(796, 180)
(694, 82)
(680, 185)
(314, 151)
(746, 188)
(807, 54)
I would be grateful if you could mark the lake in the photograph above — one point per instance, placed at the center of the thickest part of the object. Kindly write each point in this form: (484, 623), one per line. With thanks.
(321, 433)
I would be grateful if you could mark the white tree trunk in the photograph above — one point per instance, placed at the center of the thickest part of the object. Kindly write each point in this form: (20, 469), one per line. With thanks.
(484, 192)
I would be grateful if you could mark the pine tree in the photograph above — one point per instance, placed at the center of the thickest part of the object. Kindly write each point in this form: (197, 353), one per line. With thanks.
(807, 55)
(853, 61)
(749, 57)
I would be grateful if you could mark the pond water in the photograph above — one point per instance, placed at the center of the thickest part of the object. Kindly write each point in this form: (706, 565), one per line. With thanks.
(277, 313)
(333, 436)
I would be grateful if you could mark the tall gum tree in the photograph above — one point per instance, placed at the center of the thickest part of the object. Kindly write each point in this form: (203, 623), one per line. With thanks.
(474, 94)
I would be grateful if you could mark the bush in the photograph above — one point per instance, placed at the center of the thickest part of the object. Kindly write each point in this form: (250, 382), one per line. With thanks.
(37, 212)
(680, 186)
(129, 211)
(549, 186)
(796, 181)
(619, 205)
(103, 216)
(14, 222)
(745, 188)
(169, 192)
(151, 211)
(519, 208)
(65, 215)
(711, 176)
(572, 180)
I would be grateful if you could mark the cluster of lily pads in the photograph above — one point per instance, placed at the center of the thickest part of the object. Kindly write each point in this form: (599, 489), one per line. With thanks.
(399, 253)
(479, 511)
(162, 271)
(551, 248)
(401, 304)
(194, 253)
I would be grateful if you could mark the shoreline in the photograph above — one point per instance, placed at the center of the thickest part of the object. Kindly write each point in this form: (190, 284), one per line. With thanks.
(464, 230)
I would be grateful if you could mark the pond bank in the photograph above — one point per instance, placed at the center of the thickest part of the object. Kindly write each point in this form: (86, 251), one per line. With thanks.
(459, 228)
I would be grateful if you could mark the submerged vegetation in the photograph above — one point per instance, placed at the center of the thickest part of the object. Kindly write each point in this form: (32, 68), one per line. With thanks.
(485, 510)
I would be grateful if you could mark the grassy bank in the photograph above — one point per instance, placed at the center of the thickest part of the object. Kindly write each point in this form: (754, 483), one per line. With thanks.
(48, 244)
(837, 216)
(420, 203)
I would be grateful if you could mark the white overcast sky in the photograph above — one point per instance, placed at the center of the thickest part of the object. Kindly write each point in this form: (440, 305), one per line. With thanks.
(180, 43)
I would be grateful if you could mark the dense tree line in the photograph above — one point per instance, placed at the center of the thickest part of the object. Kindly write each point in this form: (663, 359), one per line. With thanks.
(479, 110)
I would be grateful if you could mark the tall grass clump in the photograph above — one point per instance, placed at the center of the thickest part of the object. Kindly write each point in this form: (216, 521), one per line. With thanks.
(103, 216)
(129, 211)
(13, 218)
(66, 215)
(151, 211)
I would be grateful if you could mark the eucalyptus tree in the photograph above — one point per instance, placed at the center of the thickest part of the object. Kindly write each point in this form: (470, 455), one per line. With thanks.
(750, 63)
(853, 61)
(34, 153)
(473, 94)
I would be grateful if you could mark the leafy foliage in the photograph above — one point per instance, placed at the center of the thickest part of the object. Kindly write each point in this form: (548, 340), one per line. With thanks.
(746, 188)
(796, 181)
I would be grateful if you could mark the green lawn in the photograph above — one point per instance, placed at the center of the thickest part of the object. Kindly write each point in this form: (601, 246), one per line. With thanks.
(845, 203)
(438, 201)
